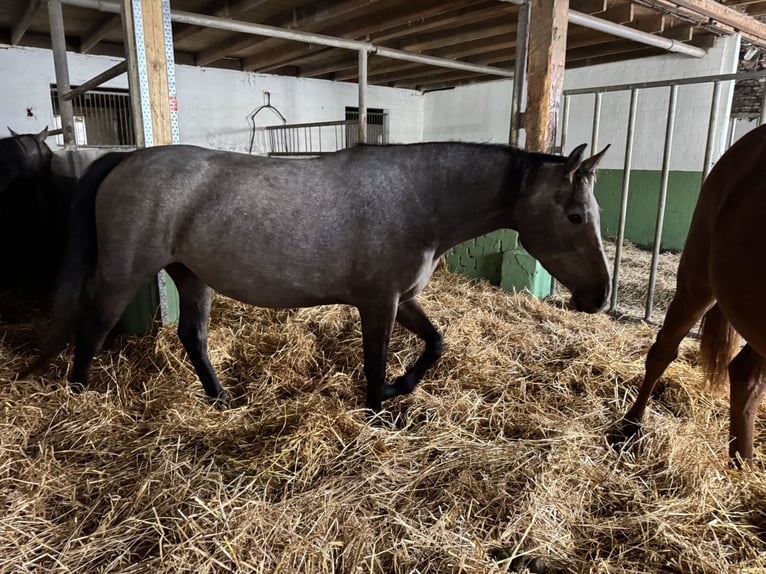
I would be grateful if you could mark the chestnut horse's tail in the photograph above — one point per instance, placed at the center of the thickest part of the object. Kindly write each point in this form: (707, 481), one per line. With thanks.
(79, 261)
(719, 343)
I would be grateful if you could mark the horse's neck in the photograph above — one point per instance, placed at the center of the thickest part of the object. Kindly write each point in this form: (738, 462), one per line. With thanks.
(479, 194)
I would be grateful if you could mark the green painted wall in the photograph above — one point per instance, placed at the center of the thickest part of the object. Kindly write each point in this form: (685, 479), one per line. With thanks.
(643, 195)
(499, 258)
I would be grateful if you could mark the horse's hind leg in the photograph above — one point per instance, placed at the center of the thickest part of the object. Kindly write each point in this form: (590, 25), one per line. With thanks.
(684, 311)
(99, 317)
(747, 386)
(412, 317)
(194, 298)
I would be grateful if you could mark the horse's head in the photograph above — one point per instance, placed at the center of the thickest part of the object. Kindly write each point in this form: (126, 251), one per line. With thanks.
(558, 221)
(35, 154)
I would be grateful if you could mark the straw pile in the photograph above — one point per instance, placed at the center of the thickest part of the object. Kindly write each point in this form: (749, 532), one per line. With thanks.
(497, 462)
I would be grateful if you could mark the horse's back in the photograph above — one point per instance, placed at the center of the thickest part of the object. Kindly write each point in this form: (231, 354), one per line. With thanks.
(266, 231)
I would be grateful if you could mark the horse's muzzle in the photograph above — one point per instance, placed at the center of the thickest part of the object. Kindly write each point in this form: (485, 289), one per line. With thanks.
(590, 302)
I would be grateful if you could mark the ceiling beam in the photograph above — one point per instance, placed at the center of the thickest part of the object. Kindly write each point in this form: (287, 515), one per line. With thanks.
(309, 19)
(391, 23)
(98, 32)
(20, 28)
(184, 31)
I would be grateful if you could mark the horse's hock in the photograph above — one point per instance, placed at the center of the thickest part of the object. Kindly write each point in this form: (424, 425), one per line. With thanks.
(500, 258)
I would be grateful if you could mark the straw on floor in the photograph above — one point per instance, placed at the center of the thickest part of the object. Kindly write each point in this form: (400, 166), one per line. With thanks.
(500, 454)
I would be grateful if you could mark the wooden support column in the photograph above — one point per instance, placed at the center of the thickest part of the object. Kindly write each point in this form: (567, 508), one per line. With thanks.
(545, 73)
(151, 74)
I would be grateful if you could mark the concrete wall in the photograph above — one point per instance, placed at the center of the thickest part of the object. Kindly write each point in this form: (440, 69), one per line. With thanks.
(213, 104)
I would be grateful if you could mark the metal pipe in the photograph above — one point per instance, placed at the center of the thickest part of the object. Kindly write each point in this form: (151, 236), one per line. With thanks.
(362, 85)
(96, 81)
(666, 83)
(596, 121)
(564, 125)
(217, 23)
(601, 25)
(763, 108)
(518, 96)
(628, 165)
(58, 43)
(711, 130)
(662, 200)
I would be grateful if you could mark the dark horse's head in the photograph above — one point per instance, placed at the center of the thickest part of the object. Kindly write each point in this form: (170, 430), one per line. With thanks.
(28, 153)
(559, 224)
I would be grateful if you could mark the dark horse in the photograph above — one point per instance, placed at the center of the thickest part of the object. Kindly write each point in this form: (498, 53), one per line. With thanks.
(28, 205)
(719, 276)
(365, 227)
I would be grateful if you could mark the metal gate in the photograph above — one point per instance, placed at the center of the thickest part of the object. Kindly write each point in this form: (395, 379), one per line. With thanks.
(719, 118)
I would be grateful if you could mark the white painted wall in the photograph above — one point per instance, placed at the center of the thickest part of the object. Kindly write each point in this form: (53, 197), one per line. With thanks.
(213, 104)
(481, 112)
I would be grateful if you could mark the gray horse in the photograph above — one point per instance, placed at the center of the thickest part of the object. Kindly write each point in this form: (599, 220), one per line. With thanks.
(365, 227)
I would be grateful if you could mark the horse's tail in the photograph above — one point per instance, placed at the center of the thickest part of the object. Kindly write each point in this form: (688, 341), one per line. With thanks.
(79, 262)
(719, 342)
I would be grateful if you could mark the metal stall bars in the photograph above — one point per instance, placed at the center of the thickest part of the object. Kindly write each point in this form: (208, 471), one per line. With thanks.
(710, 155)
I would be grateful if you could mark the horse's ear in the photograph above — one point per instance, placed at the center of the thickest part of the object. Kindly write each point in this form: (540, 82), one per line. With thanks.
(589, 165)
(13, 133)
(42, 135)
(575, 159)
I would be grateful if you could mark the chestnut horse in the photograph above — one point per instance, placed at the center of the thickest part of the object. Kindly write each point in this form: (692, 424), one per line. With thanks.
(720, 276)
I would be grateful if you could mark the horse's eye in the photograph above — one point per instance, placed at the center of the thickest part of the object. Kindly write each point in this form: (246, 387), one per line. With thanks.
(575, 218)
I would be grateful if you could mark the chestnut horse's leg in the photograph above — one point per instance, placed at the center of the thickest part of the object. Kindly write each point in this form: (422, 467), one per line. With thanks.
(412, 317)
(688, 306)
(194, 298)
(747, 389)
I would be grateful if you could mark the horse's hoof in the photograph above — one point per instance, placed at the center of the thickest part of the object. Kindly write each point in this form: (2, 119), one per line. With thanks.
(625, 431)
(224, 402)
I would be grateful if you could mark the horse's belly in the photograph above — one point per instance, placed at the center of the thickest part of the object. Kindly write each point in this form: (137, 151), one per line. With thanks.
(288, 286)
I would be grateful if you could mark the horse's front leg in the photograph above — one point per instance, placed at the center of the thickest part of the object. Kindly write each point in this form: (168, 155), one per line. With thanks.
(411, 316)
(377, 323)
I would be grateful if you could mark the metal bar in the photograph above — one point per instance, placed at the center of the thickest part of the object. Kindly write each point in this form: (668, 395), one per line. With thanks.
(58, 43)
(520, 74)
(711, 130)
(564, 125)
(763, 108)
(624, 196)
(596, 121)
(662, 200)
(362, 96)
(96, 81)
(312, 124)
(601, 25)
(666, 83)
(299, 36)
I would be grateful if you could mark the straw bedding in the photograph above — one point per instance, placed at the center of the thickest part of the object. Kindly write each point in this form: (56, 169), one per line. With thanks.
(497, 462)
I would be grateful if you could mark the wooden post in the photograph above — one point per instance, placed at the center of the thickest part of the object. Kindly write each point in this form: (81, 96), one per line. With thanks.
(151, 74)
(545, 74)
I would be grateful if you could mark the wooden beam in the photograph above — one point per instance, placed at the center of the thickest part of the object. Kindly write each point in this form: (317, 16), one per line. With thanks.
(620, 13)
(588, 6)
(453, 36)
(545, 73)
(653, 23)
(19, 28)
(214, 7)
(683, 32)
(98, 32)
(311, 18)
(750, 28)
(383, 25)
